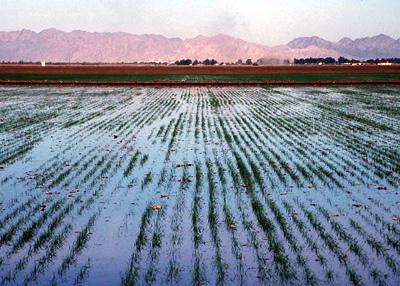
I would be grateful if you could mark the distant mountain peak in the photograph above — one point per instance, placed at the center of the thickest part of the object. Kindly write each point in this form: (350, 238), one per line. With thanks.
(304, 42)
(51, 30)
(223, 36)
(24, 34)
(382, 36)
(26, 31)
(345, 41)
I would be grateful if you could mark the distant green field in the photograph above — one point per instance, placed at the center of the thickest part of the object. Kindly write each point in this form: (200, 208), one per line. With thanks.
(177, 77)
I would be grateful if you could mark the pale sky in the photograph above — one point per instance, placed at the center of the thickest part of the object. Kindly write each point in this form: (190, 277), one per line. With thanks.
(269, 22)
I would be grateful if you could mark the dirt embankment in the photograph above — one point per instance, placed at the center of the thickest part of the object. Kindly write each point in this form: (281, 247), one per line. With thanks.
(137, 69)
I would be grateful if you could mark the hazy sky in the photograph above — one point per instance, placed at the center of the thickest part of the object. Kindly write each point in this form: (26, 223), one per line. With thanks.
(268, 22)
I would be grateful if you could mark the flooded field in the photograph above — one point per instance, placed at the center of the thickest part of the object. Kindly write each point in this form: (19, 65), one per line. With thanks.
(204, 186)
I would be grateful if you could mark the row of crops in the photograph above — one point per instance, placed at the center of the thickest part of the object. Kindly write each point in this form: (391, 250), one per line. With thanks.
(199, 185)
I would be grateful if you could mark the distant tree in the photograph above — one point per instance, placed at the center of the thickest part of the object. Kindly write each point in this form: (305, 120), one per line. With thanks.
(196, 62)
(184, 62)
(343, 60)
(240, 62)
(213, 62)
(329, 61)
(207, 62)
(249, 62)
(286, 62)
(299, 61)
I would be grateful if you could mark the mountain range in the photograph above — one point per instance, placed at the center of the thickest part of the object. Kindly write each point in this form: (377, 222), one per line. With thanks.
(53, 45)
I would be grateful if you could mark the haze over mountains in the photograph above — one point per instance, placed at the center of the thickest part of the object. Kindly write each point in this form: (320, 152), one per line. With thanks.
(53, 45)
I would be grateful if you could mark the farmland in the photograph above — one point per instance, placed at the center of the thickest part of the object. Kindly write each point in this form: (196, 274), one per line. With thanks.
(199, 77)
(159, 74)
(197, 185)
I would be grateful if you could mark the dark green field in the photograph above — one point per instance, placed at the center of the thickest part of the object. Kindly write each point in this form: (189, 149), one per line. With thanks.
(215, 77)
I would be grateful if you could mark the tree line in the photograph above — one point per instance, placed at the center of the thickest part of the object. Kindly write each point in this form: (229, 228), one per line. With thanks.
(208, 62)
(343, 60)
(249, 62)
